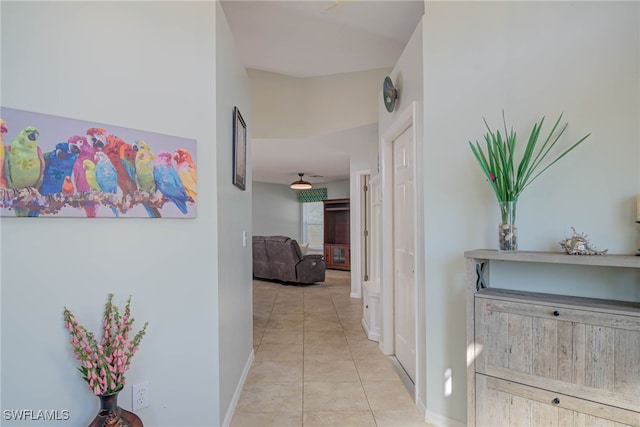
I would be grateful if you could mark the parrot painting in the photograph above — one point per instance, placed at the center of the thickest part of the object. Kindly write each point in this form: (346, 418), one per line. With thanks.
(168, 181)
(90, 173)
(97, 138)
(106, 176)
(57, 165)
(67, 186)
(3, 130)
(24, 164)
(112, 149)
(85, 152)
(186, 169)
(145, 162)
(123, 158)
(128, 156)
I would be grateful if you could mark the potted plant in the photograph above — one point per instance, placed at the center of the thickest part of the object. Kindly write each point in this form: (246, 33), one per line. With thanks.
(509, 177)
(103, 363)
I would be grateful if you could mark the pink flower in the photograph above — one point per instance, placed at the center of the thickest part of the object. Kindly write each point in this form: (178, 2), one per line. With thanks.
(105, 362)
(492, 177)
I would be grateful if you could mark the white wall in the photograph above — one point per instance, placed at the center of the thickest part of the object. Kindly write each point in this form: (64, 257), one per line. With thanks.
(276, 211)
(278, 104)
(290, 107)
(148, 66)
(336, 189)
(480, 58)
(342, 101)
(234, 222)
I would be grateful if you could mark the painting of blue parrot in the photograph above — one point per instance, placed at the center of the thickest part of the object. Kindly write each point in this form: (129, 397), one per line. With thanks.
(24, 164)
(106, 176)
(57, 164)
(168, 181)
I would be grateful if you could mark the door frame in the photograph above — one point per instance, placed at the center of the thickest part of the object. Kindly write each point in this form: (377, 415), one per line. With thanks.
(404, 119)
(357, 252)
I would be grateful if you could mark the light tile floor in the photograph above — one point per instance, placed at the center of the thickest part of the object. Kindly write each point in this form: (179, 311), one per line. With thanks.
(314, 365)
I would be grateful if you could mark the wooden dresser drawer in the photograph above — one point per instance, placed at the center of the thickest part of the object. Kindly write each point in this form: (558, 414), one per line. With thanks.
(505, 403)
(589, 352)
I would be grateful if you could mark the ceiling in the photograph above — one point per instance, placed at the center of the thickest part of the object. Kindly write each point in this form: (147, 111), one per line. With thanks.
(309, 38)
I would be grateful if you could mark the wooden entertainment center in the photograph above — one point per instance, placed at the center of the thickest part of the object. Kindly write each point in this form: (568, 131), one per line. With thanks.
(337, 243)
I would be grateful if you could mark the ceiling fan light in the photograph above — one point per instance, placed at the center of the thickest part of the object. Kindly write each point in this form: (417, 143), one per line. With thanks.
(300, 184)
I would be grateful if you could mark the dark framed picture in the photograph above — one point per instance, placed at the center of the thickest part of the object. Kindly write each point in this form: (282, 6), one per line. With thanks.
(239, 150)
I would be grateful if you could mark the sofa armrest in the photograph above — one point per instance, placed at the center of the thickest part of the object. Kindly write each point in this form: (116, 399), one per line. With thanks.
(311, 269)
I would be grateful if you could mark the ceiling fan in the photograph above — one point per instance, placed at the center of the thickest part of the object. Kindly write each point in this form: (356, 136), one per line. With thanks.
(300, 184)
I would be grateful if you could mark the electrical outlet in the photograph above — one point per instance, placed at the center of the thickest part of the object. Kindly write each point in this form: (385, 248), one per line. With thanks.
(140, 395)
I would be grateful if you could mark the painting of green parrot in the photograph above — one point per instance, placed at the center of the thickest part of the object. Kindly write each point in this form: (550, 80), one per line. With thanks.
(24, 164)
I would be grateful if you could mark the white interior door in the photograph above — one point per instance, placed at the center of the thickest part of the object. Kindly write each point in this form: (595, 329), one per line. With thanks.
(404, 251)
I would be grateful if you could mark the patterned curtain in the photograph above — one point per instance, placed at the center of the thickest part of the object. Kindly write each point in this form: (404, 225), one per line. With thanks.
(313, 195)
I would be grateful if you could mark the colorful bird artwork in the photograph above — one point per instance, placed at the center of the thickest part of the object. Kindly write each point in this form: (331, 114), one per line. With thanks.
(3, 130)
(128, 156)
(57, 165)
(126, 182)
(145, 162)
(186, 169)
(106, 176)
(53, 166)
(123, 158)
(97, 138)
(24, 164)
(168, 181)
(67, 186)
(85, 152)
(90, 173)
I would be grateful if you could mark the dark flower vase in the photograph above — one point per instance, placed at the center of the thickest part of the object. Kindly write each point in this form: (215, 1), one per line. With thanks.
(111, 415)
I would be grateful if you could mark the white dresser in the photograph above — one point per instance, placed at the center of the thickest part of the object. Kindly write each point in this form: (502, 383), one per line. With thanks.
(550, 360)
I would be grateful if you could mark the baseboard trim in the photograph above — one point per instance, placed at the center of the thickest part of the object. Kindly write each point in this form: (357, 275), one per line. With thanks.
(441, 421)
(421, 407)
(356, 295)
(236, 395)
(373, 336)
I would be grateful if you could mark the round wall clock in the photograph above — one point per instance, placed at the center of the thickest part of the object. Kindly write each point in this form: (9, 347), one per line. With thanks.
(390, 94)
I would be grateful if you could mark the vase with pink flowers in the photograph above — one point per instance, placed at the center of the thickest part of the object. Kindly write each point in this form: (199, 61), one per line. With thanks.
(103, 363)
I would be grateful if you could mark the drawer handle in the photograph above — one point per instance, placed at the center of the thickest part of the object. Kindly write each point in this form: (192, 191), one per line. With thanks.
(556, 313)
(556, 401)
(366, 306)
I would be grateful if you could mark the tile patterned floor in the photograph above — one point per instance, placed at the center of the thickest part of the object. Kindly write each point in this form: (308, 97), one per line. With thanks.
(314, 366)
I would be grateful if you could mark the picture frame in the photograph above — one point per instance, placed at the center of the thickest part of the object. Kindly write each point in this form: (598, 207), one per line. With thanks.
(239, 150)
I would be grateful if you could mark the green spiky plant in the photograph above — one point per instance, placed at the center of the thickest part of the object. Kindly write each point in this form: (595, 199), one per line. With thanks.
(499, 165)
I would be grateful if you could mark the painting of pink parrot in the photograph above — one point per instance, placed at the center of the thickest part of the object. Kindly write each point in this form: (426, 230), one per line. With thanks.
(85, 152)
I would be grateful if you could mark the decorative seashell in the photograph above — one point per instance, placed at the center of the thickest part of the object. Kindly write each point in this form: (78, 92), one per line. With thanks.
(579, 244)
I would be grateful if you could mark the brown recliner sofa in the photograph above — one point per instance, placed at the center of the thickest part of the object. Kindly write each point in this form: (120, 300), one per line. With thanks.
(279, 258)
